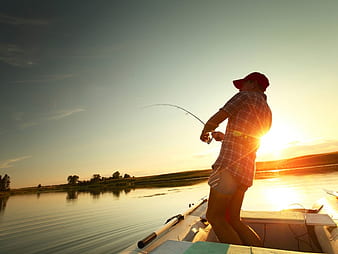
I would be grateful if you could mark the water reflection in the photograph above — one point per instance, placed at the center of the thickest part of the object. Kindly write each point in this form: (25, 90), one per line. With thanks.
(117, 192)
(96, 193)
(280, 197)
(3, 203)
(71, 195)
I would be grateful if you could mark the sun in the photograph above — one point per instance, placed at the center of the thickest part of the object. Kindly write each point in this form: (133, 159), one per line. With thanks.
(279, 138)
(272, 144)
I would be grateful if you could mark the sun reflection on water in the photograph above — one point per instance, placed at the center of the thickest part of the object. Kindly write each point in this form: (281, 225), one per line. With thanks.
(281, 197)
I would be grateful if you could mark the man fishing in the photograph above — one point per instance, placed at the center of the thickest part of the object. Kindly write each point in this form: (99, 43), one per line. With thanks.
(249, 118)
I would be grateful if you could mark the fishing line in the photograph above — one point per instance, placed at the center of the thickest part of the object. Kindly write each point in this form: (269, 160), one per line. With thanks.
(178, 107)
(183, 109)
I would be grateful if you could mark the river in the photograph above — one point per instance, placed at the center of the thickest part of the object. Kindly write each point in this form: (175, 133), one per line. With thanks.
(111, 221)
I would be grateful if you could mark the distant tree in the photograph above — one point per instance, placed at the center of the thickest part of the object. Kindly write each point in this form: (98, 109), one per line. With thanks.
(126, 176)
(116, 175)
(72, 179)
(5, 183)
(96, 178)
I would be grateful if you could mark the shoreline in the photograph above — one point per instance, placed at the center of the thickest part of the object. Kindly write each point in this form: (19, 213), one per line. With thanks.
(163, 180)
(310, 164)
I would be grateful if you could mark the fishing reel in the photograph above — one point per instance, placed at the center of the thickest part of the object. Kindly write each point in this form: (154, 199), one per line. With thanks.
(210, 138)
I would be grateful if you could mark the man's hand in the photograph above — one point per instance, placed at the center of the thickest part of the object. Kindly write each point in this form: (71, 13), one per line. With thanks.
(205, 136)
(211, 125)
(217, 135)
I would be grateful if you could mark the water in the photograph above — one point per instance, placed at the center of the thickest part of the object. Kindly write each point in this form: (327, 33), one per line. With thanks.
(109, 222)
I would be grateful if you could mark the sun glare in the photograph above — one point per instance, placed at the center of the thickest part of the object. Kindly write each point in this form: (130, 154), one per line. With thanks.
(281, 197)
(278, 138)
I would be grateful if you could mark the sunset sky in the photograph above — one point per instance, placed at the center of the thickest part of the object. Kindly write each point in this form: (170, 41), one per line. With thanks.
(77, 77)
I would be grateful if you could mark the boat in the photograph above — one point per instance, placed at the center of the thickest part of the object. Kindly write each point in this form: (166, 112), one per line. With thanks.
(288, 231)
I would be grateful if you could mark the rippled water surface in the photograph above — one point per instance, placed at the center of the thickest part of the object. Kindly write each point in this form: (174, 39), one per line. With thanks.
(109, 222)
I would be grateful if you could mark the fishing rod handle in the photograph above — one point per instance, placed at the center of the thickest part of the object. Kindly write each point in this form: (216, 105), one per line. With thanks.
(153, 235)
(146, 240)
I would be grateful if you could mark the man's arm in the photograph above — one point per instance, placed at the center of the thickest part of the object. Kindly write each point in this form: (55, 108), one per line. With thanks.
(212, 124)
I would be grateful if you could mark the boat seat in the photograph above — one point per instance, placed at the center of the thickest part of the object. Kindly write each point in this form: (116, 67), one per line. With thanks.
(319, 220)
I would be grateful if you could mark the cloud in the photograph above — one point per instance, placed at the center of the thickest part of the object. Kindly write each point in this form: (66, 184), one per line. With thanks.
(14, 55)
(14, 20)
(8, 163)
(28, 56)
(26, 125)
(47, 78)
(66, 113)
(85, 53)
(22, 120)
(312, 147)
(298, 148)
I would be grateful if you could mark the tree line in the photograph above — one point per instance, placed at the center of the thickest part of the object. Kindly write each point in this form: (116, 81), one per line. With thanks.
(72, 180)
(96, 178)
(5, 183)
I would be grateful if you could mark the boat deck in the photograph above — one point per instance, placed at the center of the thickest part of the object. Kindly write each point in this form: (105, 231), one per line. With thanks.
(281, 232)
(277, 229)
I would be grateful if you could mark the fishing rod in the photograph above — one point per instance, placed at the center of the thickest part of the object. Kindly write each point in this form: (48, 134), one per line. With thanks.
(183, 109)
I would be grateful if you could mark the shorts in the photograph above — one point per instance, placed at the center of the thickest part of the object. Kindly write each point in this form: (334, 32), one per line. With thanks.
(224, 182)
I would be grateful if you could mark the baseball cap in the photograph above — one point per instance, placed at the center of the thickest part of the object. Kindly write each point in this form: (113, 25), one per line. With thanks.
(261, 79)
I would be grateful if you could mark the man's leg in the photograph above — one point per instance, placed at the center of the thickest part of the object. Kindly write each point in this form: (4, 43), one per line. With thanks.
(247, 234)
(218, 203)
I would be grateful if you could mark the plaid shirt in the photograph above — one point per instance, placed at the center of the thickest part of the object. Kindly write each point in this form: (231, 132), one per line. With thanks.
(249, 119)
